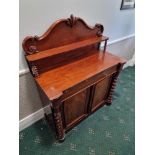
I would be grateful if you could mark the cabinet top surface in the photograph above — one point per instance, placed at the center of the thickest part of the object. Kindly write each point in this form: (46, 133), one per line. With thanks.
(55, 81)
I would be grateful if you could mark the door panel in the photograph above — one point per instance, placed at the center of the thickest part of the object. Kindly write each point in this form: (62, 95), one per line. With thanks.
(100, 93)
(75, 107)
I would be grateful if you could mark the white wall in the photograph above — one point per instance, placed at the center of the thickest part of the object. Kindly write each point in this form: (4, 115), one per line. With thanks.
(37, 15)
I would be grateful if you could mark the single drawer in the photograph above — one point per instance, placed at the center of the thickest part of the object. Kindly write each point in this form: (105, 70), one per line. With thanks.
(88, 82)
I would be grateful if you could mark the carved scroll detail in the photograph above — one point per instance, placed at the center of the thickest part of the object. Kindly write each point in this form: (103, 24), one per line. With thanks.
(34, 70)
(101, 29)
(32, 48)
(72, 20)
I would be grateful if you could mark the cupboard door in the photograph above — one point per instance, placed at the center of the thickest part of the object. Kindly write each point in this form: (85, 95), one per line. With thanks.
(101, 92)
(75, 108)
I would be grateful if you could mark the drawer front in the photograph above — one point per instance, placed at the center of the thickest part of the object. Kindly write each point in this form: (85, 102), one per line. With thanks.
(89, 82)
(75, 108)
(101, 92)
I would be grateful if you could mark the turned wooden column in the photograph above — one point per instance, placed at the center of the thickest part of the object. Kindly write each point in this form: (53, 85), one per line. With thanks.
(113, 85)
(57, 117)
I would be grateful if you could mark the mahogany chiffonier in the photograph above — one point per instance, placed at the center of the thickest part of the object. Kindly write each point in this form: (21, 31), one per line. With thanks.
(73, 75)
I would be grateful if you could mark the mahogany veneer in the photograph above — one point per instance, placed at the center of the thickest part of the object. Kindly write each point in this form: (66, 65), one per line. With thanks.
(65, 48)
(73, 75)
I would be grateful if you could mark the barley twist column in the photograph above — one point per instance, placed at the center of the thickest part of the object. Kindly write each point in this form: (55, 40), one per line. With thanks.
(58, 123)
(113, 85)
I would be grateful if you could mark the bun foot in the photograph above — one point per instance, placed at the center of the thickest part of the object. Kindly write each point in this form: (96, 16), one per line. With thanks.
(108, 103)
(61, 140)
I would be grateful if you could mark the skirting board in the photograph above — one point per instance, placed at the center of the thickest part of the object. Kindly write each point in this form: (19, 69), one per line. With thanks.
(29, 120)
(24, 71)
(131, 62)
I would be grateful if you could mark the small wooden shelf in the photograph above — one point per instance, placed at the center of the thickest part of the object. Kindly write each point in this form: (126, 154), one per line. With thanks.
(65, 48)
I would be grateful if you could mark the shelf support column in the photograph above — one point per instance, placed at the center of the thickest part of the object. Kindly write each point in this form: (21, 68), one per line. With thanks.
(105, 46)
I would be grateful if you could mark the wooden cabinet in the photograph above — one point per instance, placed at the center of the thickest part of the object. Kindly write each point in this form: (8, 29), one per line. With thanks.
(73, 75)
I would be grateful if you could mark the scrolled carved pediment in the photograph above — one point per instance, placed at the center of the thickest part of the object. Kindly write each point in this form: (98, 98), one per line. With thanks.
(60, 33)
